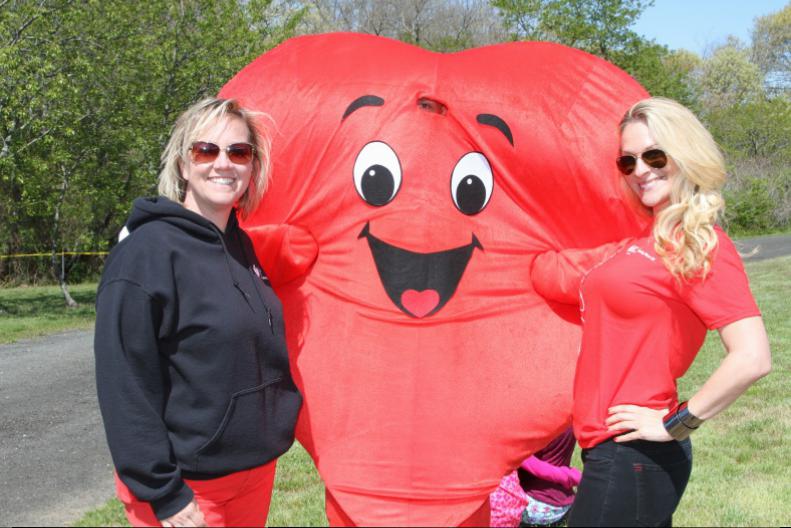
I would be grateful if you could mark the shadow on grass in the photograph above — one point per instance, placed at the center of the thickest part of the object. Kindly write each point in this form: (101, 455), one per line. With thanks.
(28, 312)
(38, 302)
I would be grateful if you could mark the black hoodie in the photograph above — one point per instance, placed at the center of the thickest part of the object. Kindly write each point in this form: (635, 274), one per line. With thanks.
(191, 365)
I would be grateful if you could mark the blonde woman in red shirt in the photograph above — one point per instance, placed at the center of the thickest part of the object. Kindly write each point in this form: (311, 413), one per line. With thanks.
(646, 305)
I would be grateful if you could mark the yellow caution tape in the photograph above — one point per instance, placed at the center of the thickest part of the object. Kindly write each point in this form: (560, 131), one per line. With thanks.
(70, 253)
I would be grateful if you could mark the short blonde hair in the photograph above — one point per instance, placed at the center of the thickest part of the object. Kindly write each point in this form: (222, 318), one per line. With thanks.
(684, 231)
(195, 120)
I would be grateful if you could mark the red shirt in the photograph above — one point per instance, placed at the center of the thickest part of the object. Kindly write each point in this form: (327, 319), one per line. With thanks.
(642, 329)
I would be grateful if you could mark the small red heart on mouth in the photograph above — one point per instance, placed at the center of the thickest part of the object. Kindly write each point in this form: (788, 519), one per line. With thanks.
(419, 303)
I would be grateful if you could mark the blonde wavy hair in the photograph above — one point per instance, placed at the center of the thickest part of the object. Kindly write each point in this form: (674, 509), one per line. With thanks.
(684, 230)
(187, 130)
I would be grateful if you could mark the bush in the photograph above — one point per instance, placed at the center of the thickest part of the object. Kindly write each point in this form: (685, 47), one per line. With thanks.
(749, 209)
(756, 139)
(758, 197)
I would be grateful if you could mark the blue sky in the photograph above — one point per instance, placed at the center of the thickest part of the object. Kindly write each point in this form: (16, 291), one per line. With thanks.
(696, 25)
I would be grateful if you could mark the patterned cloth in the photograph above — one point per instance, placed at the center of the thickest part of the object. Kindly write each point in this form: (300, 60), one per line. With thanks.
(508, 502)
(512, 506)
(539, 513)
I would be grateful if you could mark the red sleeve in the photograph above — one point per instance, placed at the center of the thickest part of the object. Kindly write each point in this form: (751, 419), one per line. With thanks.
(556, 275)
(724, 296)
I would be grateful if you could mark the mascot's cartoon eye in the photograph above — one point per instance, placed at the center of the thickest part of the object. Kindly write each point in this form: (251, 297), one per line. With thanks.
(377, 173)
(471, 183)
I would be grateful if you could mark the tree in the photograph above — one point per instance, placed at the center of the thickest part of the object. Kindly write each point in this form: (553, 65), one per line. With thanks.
(684, 66)
(662, 72)
(438, 25)
(600, 27)
(755, 130)
(89, 91)
(32, 79)
(756, 138)
(771, 49)
(729, 78)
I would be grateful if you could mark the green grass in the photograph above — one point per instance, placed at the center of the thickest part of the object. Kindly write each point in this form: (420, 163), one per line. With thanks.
(298, 497)
(111, 514)
(33, 311)
(739, 478)
(736, 233)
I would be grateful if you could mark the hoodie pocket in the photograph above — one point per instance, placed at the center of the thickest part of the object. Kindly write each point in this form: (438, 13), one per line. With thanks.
(257, 427)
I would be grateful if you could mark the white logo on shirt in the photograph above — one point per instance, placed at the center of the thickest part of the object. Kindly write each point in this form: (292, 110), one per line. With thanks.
(634, 248)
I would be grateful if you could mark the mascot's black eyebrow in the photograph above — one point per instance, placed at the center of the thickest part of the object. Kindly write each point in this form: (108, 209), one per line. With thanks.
(365, 100)
(498, 123)
(484, 119)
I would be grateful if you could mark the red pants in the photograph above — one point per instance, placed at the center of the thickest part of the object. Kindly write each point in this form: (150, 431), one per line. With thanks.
(238, 499)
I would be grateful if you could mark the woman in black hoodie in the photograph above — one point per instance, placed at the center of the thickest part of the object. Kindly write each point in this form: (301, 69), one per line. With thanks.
(191, 364)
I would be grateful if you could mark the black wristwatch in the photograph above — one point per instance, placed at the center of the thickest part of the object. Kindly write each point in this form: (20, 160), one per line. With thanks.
(679, 422)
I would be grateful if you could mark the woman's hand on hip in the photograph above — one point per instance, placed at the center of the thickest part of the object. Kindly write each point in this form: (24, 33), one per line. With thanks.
(189, 516)
(639, 423)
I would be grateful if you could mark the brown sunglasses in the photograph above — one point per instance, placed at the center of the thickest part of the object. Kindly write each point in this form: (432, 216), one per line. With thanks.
(655, 158)
(205, 152)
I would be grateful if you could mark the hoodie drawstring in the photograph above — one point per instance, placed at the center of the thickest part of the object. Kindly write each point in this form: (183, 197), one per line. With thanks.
(257, 288)
(235, 281)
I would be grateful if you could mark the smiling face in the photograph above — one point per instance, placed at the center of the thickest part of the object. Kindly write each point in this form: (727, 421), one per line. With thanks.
(214, 187)
(651, 185)
(421, 283)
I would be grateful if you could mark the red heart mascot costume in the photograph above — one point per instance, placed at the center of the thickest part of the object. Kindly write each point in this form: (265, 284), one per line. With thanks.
(410, 192)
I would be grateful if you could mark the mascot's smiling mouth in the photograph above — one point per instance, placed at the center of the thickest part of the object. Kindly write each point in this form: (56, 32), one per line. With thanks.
(420, 284)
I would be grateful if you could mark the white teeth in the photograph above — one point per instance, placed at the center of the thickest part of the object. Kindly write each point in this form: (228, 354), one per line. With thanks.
(222, 181)
(650, 184)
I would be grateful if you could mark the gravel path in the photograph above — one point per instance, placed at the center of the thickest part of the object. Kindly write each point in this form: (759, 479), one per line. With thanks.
(54, 462)
(765, 247)
(54, 459)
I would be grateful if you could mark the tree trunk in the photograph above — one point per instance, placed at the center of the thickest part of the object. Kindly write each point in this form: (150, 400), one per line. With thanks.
(70, 302)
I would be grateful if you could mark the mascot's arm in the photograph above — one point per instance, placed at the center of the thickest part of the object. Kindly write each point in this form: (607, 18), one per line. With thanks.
(286, 252)
(556, 275)
(568, 477)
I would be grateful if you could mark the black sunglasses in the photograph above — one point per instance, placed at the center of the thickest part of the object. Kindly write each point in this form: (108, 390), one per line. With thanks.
(205, 152)
(653, 158)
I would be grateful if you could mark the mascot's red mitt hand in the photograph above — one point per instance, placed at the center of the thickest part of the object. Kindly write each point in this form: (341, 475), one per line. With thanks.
(285, 252)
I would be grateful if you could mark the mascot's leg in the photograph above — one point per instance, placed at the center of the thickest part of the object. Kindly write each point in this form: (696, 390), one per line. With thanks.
(481, 517)
(335, 514)
(337, 517)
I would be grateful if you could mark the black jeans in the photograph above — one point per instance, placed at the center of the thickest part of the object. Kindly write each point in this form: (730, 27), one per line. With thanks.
(636, 483)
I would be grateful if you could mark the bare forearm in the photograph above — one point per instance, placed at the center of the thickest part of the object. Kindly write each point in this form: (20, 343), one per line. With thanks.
(748, 360)
(734, 376)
